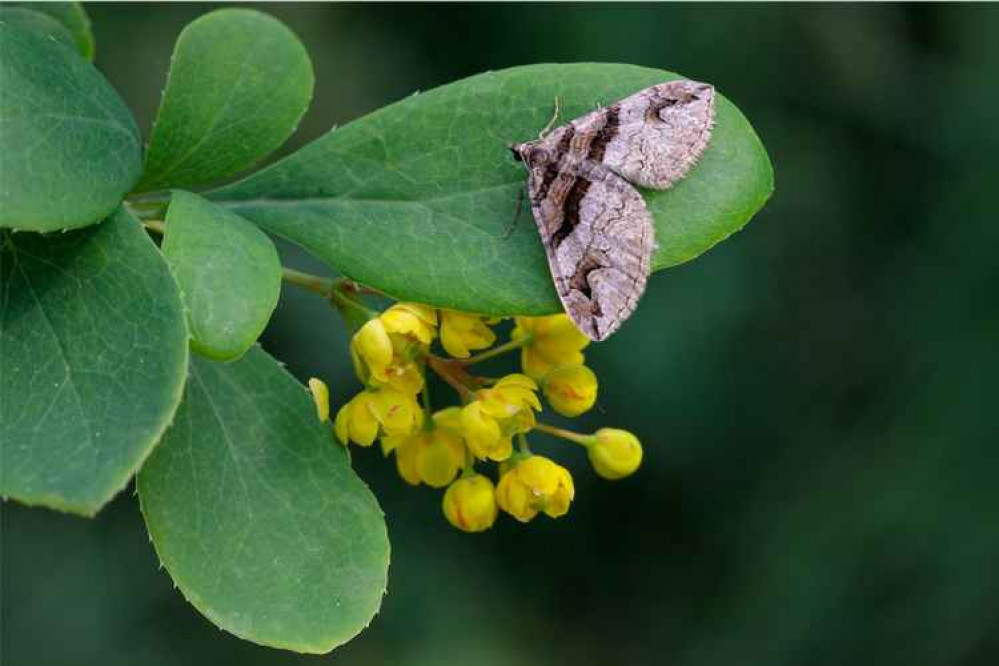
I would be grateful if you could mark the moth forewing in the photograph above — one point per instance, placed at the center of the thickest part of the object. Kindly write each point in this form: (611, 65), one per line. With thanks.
(597, 232)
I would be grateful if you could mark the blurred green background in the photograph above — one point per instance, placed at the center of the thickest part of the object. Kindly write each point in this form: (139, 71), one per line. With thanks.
(817, 395)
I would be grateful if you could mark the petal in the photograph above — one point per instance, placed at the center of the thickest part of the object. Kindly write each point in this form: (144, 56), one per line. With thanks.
(453, 342)
(448, 418)
(373, 346)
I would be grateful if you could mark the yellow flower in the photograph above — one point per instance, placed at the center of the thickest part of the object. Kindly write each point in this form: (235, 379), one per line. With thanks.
(321, 396)
(369, 413)
(571, 389)
(433, 456)
(461, 333)
(535, 485)
(483, 434)
(418, 322)
(554, 341)
(388, 349)
(470, 503)
(496, 414)
(614, 453)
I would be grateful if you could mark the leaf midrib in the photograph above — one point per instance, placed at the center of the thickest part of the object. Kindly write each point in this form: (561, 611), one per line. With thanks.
(283, 202)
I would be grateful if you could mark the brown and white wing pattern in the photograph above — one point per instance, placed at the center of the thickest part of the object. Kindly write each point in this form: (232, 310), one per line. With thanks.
(654, 137)
(598, 236)
(595, 227)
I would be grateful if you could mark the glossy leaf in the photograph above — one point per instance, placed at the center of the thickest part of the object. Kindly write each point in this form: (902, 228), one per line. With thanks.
(229, 273)
(239, 82)
(72, 17)
(69, 147)
(414, 199)
(256, 514)
(93, 355)
(23, 18)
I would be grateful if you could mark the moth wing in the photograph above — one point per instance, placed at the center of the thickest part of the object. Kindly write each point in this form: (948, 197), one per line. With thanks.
(598, 237)
(654, 137)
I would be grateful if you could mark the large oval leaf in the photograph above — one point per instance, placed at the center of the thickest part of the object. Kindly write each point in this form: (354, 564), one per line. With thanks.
(44, 25)
(229, 273)
(256, 514)
(69, 148)
(93, 355)
(414, 199)
(239, 82)
(72, 17)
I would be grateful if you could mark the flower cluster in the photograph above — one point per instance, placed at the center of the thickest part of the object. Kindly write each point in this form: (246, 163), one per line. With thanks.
(393, 351)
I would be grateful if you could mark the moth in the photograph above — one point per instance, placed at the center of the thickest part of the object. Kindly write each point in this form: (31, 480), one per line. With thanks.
(597, 232)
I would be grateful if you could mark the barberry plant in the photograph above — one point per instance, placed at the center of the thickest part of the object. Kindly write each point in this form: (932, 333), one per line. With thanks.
(136, 277)
(392, 354)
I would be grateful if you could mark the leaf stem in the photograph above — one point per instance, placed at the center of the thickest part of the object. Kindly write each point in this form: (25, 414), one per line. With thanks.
(320, 285)
(501, 349)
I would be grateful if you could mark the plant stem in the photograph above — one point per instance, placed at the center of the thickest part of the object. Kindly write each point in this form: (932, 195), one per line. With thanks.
(314, 283)
(428, 410)
(522, 444)
(452, 373)
(501, 349)
(583, 440)
(156, 226)
(468, 469)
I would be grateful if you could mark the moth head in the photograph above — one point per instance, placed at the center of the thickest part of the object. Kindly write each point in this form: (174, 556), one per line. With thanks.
(530, 154)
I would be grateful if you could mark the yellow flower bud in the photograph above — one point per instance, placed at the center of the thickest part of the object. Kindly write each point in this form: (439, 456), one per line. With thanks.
(387, 411)
(461, 333)
(413, 320)
(434, 456)
(535, 485)
(571, 389)
(320, 396)
(371, 351)
(440, 456)
(555, 341)
(496, 414)
(483, 434)
(470, 503)
(614, 453)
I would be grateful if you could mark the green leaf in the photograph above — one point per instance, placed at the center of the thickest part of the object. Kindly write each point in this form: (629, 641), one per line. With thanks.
(414, 199)
(256, 514)
(229, 273)
(40, 23)
(239, 82)
(93, 355)
(72, 17)
(69, 147)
